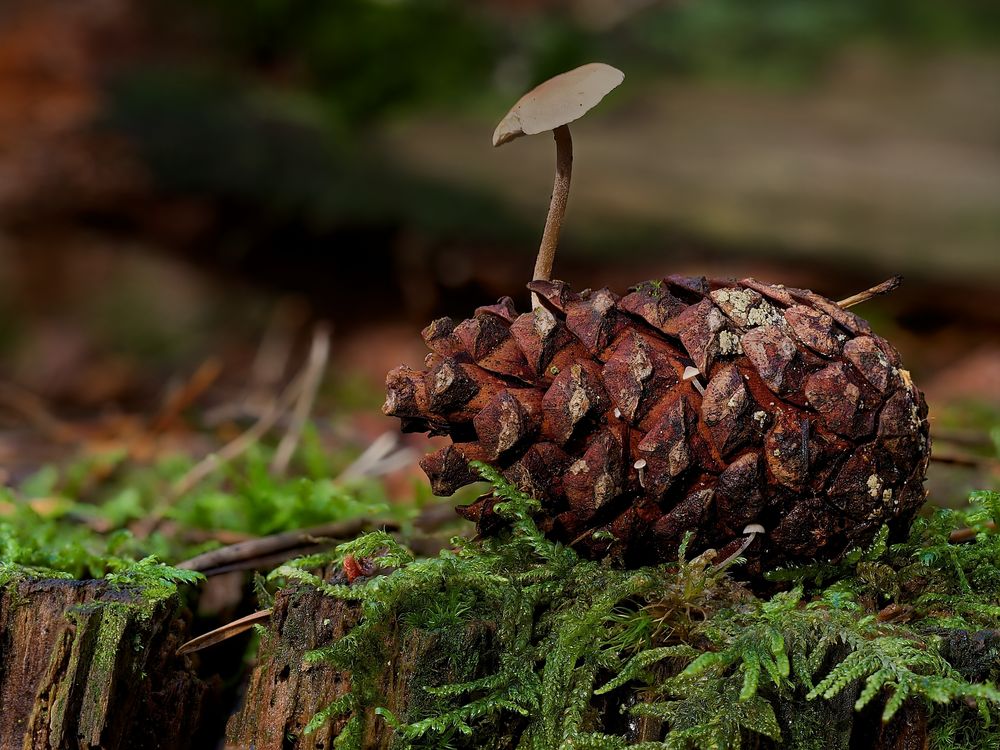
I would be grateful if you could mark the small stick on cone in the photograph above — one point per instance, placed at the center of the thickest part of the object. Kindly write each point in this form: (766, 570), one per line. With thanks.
(884, 288)
(552, 105)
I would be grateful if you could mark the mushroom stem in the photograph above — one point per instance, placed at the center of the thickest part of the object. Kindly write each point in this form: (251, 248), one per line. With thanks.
(557, 208)
(752, 530)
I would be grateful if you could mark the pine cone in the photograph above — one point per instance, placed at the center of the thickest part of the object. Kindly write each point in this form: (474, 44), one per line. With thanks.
(800, 419)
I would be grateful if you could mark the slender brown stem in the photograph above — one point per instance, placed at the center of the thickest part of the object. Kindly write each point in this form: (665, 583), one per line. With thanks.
(319, 353)
(968, 438)
(225, 632)
(252, 548)
(557, 208)
(968, 534)
(966, 459)
(884, 288)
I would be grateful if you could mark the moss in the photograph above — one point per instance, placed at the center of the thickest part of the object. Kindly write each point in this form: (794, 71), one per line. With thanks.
(686, 647)
(49, 539)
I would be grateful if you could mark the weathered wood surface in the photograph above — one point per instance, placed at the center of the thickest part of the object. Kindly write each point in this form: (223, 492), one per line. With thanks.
(83, 665)
(285, 691)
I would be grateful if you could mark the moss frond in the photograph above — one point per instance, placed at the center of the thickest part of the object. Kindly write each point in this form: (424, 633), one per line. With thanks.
(689, 652)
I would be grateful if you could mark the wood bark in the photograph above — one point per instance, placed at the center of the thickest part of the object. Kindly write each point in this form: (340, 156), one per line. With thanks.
(285, 690)
(85, 665)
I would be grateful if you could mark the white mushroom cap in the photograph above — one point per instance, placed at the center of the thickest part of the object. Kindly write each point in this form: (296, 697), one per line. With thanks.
(558, 101)
(691, 372)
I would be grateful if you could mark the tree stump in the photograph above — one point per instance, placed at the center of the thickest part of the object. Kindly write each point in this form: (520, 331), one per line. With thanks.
(85, 665)
(285, 690)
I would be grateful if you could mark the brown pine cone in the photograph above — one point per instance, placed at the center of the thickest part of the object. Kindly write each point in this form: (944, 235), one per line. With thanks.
(800, 419)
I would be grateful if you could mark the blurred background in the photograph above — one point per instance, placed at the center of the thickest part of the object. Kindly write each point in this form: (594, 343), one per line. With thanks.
(187, 186)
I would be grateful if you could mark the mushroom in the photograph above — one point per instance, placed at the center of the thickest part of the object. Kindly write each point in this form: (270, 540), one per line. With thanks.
(640, 466)
(552, 105)
(752, 530)
(691, 374)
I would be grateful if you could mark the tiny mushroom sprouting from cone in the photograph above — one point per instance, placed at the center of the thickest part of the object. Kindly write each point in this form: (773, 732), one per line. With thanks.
(691, 374)
(752, 530)
(552, 105)
(640, 466)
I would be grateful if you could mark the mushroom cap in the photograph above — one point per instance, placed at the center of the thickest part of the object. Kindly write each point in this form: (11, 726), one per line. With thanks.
(558, 101)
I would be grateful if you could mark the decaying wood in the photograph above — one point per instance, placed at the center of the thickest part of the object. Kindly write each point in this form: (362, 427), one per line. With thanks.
(285, 691)
(83, 665)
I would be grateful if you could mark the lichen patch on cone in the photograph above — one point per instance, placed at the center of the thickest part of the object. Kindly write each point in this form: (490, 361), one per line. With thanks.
(687, 405)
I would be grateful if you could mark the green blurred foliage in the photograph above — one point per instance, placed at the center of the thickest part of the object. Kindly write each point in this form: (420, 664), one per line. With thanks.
(59, 521)
(277, 104)
(789, 40)
(208, 133)
(368, 58)
(362, 58)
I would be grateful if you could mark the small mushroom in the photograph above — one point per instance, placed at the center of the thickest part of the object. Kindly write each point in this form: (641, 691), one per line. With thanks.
(640, 466)
(552, 105)
(752, 530)
(691, 374)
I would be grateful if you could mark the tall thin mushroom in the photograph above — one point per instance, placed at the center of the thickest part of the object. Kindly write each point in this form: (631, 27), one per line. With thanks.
(552, 105)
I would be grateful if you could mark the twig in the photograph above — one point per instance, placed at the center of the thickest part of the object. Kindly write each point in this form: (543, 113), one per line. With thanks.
(265, 545)
(271, 360)
(273, 560)
(269, 365)
(227, 631)
(35, 412)
(182, 397)
(381, 457)
(242, 443)
(967, 534)
(269, 550)
(230, 451)
(319, 352)
(966, 460)
(884, 288)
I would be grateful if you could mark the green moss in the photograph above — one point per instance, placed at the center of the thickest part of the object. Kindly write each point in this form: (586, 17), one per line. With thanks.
(686, 647)
(58, 523)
